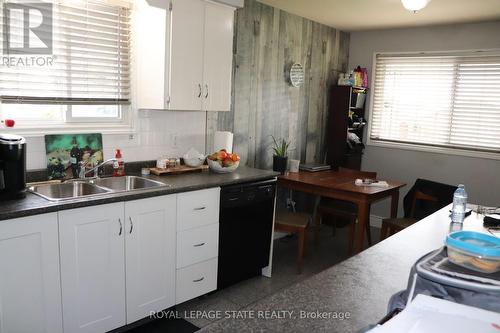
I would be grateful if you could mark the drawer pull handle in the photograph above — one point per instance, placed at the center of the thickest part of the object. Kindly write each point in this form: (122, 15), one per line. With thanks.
(131, 225)
(200, 208)
(121, 227)
(200, 279)
(198, 245)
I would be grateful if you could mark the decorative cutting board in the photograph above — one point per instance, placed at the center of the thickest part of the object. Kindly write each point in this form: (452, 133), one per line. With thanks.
(65, 151)
(178, 169)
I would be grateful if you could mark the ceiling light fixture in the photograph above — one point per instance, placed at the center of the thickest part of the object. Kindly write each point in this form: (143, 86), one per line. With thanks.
(414, 5)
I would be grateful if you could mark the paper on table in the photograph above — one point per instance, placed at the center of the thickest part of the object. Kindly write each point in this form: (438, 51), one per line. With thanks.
(426, 314)
(375, 183)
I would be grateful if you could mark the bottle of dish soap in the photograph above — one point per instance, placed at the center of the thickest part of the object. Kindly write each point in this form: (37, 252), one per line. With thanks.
(118, 166)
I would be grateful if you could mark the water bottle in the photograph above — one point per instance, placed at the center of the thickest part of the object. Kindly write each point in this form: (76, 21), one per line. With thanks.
(459, 205)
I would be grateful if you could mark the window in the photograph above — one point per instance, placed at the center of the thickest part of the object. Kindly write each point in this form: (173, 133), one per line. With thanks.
(84, 79)
(447, 100)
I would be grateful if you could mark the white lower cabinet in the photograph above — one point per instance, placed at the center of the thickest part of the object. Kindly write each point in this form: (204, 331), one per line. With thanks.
(117, 262)
(150, 255)
(196, 280)
(97, 268)
(93, 268)
(30, 290)
(197, 243)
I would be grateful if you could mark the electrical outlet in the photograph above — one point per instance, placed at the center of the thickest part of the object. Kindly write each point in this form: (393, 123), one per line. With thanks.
(290, 204)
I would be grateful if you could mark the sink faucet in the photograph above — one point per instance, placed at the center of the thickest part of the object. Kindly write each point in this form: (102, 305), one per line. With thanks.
(83, 173)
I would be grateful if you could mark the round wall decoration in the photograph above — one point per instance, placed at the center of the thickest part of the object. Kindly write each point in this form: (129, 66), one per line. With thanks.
(296, 75)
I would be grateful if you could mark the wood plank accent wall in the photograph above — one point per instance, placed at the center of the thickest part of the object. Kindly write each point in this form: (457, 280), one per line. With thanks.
(266, 42)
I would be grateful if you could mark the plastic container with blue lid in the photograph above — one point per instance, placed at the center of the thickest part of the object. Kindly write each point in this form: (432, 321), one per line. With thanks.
(474, 250)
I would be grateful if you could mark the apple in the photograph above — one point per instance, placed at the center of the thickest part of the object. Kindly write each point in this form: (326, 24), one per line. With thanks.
(235, 157)
(9, 122)
(221, 155)
(228, 162)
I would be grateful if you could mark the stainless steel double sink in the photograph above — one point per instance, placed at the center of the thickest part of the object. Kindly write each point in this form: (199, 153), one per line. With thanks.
(76, 189)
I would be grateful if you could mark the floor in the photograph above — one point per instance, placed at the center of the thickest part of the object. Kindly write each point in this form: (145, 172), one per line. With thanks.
(331, 250)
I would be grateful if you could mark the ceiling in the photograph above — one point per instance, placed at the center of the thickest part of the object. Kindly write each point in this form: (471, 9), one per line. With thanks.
(352, 15)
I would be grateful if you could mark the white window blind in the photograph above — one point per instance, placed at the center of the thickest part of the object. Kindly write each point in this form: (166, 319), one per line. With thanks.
(448, 100)
(90, 57)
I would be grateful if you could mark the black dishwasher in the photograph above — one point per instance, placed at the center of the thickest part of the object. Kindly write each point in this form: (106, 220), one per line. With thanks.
(245, 230)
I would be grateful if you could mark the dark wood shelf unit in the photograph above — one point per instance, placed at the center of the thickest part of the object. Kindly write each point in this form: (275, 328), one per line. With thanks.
(338, 152)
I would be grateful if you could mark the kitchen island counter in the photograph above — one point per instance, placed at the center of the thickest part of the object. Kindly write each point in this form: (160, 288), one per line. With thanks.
(352, 294)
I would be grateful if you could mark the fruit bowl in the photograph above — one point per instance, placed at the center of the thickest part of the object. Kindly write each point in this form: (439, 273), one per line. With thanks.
(215, 166)
(223, 162)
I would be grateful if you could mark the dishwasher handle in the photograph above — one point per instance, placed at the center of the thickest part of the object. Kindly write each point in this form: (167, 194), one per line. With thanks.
(248, 195)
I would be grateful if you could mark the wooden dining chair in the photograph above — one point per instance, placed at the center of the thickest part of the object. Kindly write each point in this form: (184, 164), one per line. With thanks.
(392, 225)
(340, 209)
(295, 223)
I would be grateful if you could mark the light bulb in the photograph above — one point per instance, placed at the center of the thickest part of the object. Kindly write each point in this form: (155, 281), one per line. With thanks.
(414, 5)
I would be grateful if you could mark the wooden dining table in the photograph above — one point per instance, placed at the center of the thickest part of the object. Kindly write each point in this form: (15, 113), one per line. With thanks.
(340, 185)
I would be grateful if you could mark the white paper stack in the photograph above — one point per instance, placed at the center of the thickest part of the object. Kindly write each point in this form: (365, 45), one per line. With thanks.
(426, 314)
(223, 140)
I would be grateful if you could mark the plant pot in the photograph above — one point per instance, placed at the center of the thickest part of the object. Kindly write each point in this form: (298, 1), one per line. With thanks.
(280, 163)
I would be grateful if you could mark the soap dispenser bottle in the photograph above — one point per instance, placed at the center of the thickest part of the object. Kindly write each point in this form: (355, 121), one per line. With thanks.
(118, 166)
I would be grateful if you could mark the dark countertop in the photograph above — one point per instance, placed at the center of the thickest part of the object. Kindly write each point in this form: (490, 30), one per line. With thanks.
(33, 204)
(361, 285)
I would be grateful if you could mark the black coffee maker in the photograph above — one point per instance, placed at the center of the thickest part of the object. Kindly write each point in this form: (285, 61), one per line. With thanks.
(12, 166)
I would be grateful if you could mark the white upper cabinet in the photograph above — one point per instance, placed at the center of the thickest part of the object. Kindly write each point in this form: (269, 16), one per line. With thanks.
(150, 43)
(183, 55)
(150, 255)
(93, 268)
(218, 57)
(186, 67)
(30, 289)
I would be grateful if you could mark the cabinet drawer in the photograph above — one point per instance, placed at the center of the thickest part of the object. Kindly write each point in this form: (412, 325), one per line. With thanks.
(197, 208)
(197, 245)
(196, 280)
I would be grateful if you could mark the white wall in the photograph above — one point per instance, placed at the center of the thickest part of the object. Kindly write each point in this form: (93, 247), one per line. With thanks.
(481, 176)
(158, 133)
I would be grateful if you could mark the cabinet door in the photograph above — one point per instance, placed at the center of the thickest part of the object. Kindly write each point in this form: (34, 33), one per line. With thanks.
(151, 28)
(30, 290)
(93, 268)
(218, 57)
(186, 62)
(150, 255)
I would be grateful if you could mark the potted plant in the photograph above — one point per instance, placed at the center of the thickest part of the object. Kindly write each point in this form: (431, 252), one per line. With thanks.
(280, 158)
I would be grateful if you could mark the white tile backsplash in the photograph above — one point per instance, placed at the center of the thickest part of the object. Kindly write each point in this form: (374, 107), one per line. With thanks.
(158, 133)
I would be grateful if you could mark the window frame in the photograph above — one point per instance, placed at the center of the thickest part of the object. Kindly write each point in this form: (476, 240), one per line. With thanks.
(427, 148)
(67, 123)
